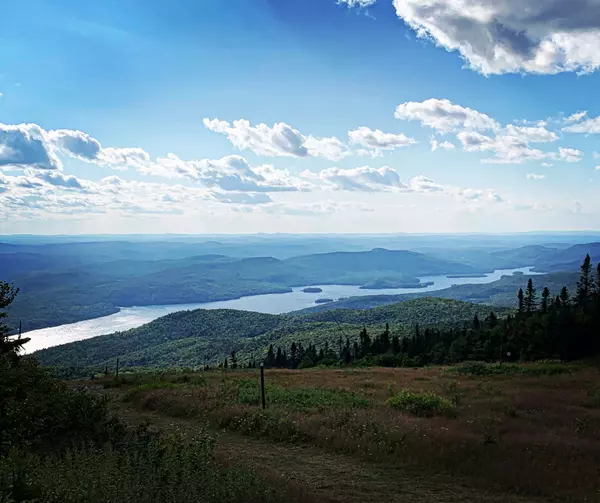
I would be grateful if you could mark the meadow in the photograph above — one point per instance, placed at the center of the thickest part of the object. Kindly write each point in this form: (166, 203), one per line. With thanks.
(474, 432)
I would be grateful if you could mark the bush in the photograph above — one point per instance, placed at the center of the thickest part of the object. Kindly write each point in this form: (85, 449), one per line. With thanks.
(141, 469)
(425, 404)
(39, 411)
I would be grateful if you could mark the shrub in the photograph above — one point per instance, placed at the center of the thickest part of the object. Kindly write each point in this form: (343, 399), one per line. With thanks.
(143, 468)
(425, 404)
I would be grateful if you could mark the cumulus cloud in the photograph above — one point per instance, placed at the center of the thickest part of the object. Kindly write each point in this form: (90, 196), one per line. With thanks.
(445, 116)
(279, 140)
(535, 176)
(231, 173)
(26, 145)
(569, 154)
(363, 179)
(59, 179)
(508, 36)
(437, 145)
(588, 126)
(376, 141)
(576, 117)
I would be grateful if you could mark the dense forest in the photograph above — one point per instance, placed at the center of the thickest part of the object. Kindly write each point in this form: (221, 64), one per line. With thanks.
(562, 326)
(196, 338)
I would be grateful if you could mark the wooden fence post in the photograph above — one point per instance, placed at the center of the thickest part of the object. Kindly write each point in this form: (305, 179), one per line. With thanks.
(262, 384)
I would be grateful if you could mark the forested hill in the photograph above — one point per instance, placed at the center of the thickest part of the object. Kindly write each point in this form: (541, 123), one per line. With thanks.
(57, 290)
(192, 338)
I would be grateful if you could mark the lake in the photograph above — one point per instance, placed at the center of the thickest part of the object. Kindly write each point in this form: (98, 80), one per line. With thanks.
(275, 303)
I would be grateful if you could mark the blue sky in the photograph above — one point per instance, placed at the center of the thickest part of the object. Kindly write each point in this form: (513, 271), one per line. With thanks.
(103, 104)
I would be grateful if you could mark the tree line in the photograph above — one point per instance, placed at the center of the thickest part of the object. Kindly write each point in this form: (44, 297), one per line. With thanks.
(545, 326)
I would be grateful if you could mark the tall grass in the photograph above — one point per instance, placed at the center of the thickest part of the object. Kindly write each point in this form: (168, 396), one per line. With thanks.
(142, 469)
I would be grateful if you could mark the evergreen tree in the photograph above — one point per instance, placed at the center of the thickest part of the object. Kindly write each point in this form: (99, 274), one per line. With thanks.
(279, 358)
(584, 285)
(565, 297)
(8, 345)
(521, 300)
(545, 295)
(476, 323)
(530, 294)
(233, 360)
(270, 361)
(225, 363)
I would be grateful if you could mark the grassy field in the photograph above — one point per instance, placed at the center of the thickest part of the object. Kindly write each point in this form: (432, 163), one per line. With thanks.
(486, 433)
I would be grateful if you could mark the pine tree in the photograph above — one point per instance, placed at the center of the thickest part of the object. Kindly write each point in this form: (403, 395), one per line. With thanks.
(8, 345)
(565, 298)
(476, 323)
(279, 358)
(530, 293)
(545, 295)
(492, 320)
(225, 363)
(584, 285)
(270, 361)
(521, 300)
(233, 360)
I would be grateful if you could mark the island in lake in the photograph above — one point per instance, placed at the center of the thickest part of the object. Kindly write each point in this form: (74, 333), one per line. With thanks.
(312, 289)
(383, 284)
(323, 301)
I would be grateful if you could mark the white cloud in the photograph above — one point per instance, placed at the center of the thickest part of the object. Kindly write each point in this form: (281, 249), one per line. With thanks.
(231, 173)
(436, 145)
(535, 176)
(508, 36)
(588, 126)
(58, 179)
(597, 168)
(357, 3)
(569, 154)
(276, 141)
(26, 145)
(376, 141)
(537, 134)
(445, 116)
(576, 117)
(596, 155)
(364, 179)
(547, 164)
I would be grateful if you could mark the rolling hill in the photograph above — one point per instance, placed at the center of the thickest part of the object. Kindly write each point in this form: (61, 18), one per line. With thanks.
(191, 338)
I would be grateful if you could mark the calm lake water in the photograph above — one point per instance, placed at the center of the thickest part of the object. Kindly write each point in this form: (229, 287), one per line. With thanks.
(276, 303)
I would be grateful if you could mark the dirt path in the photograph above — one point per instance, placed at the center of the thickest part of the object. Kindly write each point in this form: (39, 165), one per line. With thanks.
(306, 473)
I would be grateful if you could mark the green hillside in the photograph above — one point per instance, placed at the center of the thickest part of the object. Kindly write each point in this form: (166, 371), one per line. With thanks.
(191, 338)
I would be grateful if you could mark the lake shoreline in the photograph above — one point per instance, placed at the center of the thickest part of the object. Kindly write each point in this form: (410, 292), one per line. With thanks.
(294, 299)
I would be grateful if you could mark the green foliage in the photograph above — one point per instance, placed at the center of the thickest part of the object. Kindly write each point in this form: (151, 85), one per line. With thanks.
(248, 392)
(423, 404)
(141, 468)
(37, 410)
